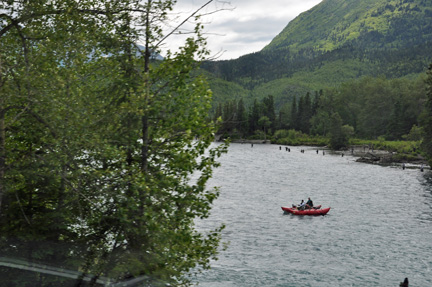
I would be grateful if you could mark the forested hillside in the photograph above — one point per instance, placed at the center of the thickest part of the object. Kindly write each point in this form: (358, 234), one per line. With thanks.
(347, 67)
(336, 41)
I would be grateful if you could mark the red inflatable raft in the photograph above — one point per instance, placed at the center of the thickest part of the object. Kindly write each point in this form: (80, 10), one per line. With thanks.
(313, 211)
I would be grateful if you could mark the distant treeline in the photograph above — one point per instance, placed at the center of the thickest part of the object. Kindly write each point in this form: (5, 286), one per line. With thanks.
(366, 108)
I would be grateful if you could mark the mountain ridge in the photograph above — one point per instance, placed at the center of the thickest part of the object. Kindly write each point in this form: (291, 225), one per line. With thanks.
(334, 42)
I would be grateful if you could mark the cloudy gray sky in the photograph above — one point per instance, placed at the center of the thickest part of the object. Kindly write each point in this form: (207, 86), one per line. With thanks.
(243, 26)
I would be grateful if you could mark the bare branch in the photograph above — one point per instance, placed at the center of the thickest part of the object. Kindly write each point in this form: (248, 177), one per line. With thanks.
(182, 23)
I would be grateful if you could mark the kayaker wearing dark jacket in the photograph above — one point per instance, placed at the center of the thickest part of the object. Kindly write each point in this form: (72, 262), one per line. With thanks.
(309, 203)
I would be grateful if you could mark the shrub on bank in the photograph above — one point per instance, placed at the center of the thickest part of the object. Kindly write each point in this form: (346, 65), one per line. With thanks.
(405, 147)
(296, 138)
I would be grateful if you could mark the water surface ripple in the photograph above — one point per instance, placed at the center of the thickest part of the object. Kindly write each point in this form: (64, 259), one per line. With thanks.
(378, 231)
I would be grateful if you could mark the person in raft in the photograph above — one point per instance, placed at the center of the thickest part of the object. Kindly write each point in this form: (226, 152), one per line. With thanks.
(302, 205)
(309, 203)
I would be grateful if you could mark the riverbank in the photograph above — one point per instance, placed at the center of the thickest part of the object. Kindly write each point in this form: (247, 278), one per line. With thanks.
(366, 154)
(382, 157)
(244, 141)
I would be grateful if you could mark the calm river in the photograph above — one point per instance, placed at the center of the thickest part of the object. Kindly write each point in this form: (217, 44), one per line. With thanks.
(378, 231)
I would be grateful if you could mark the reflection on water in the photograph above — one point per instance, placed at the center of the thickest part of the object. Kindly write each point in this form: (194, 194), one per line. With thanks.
(426, 181)
(378, 232)
(426, 205)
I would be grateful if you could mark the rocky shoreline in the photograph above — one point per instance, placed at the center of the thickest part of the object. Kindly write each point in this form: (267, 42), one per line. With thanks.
(368, 155)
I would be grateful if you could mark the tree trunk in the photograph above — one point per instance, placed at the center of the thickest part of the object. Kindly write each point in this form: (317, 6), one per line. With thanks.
(144, 119)
(2, 152)
(2, 141)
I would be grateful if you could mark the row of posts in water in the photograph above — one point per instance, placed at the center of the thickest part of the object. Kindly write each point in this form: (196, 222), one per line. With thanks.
(317, 152)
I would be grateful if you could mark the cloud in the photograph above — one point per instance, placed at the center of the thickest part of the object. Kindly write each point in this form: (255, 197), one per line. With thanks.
(244, 26)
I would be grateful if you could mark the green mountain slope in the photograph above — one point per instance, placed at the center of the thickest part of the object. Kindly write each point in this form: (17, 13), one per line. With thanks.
(335, 23)
(334, 42)
(321, 27)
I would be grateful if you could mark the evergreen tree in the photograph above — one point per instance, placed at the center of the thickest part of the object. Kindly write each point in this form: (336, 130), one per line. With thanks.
(427, 126)
(284, 116)
(395, 126)
(315, 104)
(254, 116)
(241, 117)
(229, 117)
(306, 114)
(269, 110)
(301, 113)
(294, 116)
(264, 123)
(338, 138)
